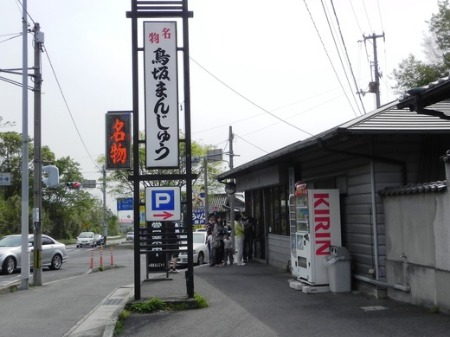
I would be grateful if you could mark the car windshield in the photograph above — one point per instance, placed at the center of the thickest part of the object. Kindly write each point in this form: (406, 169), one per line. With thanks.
(86, 235)
(10, 241)
(198, 238)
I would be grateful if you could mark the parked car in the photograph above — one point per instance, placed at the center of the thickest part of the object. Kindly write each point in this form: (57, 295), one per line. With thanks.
(86, 239)
(99, 240)
(53, 253)
(200, 250)
(130, 236)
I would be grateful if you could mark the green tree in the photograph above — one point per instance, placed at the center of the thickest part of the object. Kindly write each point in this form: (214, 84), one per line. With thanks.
(65, 211)
(120, 186)
(11, 160)
(69, 211)
(413, 73)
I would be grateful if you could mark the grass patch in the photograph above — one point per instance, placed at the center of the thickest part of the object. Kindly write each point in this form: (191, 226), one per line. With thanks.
(201, 301)
(154, 305)
(435, 309)
(119, 324)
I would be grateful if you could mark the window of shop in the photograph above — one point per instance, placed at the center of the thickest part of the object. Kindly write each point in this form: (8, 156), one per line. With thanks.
(277, 203)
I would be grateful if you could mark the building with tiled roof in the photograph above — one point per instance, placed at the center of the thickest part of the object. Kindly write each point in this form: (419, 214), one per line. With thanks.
(392, 151)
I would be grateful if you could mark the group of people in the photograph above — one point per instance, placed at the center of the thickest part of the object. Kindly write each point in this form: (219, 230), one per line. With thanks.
(220, 244)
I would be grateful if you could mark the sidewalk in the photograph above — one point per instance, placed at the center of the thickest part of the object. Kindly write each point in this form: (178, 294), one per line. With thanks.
(256, 300)
(253, 300)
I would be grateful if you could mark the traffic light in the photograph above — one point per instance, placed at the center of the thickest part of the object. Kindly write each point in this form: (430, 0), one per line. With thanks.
(73, 185)
(52, 176)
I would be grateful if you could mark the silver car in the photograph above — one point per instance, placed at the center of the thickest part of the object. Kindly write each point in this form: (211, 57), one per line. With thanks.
(86, 239)
(200, 250)
(53, 253)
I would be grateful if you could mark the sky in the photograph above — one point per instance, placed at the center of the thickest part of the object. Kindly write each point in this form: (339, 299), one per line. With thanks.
(268, 69)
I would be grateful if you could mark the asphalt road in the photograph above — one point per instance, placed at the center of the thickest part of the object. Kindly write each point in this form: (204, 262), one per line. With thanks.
(57, 306)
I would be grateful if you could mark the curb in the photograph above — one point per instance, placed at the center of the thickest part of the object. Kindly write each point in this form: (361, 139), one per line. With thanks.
(10, 288)
(102, 319)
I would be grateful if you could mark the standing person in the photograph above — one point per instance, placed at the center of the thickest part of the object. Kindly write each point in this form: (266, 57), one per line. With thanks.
(248, 238)
(228, 247)
(172, 246)
(218, 234)
(209, 237)
(239, 237)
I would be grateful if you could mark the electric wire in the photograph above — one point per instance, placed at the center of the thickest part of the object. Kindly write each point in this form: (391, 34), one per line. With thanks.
(348, 58)
(68, 108)
(322, 102)
(62, 93)
(328, 56)
(247, 99)
(339, 54)
(251, 143)
(15, 35)
(28, 14)
(367, 15)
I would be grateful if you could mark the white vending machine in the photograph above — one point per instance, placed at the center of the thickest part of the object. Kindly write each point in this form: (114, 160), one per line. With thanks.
(314, 226)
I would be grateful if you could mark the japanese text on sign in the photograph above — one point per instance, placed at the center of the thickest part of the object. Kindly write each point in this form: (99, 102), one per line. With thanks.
(118, 140)
(161, 94)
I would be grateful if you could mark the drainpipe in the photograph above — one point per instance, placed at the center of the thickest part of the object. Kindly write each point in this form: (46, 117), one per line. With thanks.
(374, 218)
(405, 288)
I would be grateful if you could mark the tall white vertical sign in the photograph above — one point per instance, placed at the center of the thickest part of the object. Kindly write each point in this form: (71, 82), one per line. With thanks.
(161, 94)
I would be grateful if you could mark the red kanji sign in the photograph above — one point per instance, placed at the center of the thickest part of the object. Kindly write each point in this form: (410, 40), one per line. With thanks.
(118, 140)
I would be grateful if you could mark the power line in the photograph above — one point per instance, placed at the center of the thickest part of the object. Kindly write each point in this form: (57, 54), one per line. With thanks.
(348, 58)
(322, 102)
(328, 56)
(339, 54)
(248, 100)
(251, 143)
(68, 108)
(11, 37)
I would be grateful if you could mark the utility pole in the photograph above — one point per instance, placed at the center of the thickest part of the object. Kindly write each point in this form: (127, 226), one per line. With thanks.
(37, 184)
(231, 196)
(374, 87)
(105, 225)
(205, 169)
(25, 270)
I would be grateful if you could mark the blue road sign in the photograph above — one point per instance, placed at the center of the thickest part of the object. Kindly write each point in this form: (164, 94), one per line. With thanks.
(125, 204)
(162, 204)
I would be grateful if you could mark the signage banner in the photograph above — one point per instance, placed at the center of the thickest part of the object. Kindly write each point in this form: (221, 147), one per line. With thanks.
(118, 140)
(161, 94)
(125, 204)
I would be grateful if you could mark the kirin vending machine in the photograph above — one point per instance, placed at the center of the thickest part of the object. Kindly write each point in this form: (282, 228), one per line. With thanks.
(314, 226)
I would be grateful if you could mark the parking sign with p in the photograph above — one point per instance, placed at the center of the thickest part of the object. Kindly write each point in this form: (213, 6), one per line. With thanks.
(162, 204)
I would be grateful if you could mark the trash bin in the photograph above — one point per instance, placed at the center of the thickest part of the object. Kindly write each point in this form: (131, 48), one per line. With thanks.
(339, 271)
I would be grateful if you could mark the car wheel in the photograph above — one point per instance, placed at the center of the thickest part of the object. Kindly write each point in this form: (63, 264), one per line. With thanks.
(56, 262)
(9, 265)
(201, 258)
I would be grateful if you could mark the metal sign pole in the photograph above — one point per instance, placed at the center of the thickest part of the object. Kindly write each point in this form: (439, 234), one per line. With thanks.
(161, 9)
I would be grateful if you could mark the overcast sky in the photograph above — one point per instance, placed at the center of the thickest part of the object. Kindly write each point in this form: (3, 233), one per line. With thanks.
(269, 69)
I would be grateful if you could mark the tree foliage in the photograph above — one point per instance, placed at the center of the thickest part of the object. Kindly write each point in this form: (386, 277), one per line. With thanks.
(122, 187)
(412, 72)
(65, 212)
